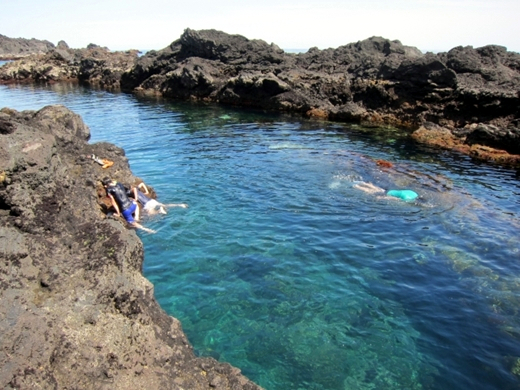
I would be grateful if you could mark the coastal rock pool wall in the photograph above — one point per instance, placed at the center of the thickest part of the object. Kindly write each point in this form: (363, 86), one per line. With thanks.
(471, 93)
(76, 311)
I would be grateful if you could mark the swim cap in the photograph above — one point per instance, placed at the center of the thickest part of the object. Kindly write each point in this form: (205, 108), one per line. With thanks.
(403, 194)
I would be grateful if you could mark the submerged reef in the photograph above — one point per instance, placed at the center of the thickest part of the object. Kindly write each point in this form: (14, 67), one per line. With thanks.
(76, 311)
(465, 99)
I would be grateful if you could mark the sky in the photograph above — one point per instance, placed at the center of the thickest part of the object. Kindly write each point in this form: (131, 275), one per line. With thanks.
(429, 25)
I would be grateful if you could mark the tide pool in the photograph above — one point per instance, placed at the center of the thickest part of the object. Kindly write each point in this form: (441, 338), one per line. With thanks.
(283, 268)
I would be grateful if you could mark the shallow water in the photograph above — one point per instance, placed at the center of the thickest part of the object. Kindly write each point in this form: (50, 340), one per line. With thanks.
(281, 267)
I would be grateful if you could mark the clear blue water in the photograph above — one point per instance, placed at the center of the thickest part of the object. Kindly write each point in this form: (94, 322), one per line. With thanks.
(284, 269)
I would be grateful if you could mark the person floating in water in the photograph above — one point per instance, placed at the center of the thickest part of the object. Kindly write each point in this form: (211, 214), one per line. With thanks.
(122, 204)
(406, 195)
(151, 206)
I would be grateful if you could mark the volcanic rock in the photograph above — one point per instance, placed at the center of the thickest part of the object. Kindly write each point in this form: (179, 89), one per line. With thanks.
(374, 82)
(95, 66)
(76, 311)
(16, 48)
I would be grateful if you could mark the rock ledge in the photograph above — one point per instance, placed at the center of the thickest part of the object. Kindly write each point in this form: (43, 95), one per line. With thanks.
(76, 312)
(471, 93)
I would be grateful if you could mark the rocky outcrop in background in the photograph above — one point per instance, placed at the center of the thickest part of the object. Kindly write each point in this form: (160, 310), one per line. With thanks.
(76, 312)
(16, 48)
(96, 66)
(466, 99)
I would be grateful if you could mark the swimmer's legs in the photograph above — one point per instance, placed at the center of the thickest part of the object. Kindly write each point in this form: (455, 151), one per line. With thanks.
(369, 187)
(160, 208)
(139, 226)
(137, 212)
(183, 205)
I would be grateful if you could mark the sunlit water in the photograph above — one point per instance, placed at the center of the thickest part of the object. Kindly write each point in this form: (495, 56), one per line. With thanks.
(281, 267)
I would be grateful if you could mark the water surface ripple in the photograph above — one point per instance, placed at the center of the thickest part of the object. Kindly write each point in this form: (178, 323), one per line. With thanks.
(283, 268)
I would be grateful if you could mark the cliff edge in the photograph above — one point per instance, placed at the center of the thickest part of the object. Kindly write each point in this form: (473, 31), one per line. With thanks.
(76, 312)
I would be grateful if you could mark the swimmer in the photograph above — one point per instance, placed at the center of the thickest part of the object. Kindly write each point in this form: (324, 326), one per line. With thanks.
(122, 204)
(370, 188)
(151, 206)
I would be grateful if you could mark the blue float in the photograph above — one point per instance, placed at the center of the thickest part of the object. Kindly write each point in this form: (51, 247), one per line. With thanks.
(403, 194)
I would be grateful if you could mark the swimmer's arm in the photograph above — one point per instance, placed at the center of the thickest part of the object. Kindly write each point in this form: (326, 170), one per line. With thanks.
(114, 205)
(144, 188)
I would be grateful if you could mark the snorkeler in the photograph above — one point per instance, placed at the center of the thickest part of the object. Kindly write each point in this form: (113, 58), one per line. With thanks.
(151, 206)
(406, 195)
(116, 192)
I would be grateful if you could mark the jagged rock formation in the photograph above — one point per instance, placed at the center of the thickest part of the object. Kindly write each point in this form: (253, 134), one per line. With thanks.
(96, 66)
(16, 48)
(471, 93)
(466, 99)
(76, 312)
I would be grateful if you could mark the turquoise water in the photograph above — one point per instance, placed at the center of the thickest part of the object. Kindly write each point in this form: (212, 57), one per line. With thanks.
(281, 267)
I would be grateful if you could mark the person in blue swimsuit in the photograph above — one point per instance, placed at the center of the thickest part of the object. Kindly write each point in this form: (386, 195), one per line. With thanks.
(122, 204)
(406, 195)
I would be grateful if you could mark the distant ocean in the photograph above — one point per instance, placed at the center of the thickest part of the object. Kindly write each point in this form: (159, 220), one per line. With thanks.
(295, 50)
(143, 52)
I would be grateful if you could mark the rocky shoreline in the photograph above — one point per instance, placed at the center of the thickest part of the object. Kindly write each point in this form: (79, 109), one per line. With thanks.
(95, 66)
(76, 311)
(17, 48)
(466, 100)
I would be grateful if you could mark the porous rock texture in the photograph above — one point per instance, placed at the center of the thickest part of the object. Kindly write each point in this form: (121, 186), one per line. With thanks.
(75, 309)
(16, 48)
(465, 99)
(473, 94)
(95, 66)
